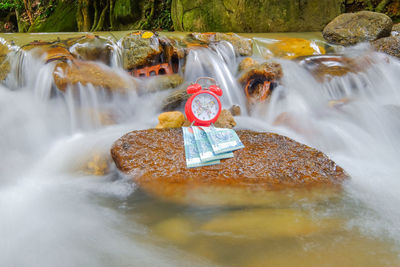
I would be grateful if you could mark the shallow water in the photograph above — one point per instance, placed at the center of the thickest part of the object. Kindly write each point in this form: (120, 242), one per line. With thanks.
(55, 213)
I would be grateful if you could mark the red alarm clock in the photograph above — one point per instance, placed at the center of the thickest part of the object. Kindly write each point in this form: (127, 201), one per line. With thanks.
(204, 106)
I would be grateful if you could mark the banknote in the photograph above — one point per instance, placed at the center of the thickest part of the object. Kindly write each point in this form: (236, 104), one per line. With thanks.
(223, 140)
(204, 147)
(191, 152)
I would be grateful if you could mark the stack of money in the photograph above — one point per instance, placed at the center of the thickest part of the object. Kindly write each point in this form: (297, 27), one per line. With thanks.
(208, 145)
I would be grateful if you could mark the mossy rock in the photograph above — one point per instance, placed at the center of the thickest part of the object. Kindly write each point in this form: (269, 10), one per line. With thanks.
(4, 63)
(63, 19)
(253, 16)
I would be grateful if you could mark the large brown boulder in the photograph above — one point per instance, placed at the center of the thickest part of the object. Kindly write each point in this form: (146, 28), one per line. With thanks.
(76, 71)
(352, 28)
(389, 45)
(269, 163)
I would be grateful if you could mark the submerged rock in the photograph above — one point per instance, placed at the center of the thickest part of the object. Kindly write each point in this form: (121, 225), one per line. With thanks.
(352, 28)
(290, 48)
(389, 45)
(257, 224)
(162, 82)
(82, 72)
(242, 45)
(91, 47)
(269, 163)
(324, 67)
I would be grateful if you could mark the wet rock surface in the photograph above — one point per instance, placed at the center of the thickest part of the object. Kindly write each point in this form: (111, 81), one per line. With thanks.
(140, 48)
(4, 63)
(324, 67)
(352, 28)
(269, 162)
(389, 45)
(84, 72)
(242, 45)
(290, 48)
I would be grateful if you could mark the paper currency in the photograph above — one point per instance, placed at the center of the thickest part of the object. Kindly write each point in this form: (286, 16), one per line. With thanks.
(204, 147)
(223, 140)
(191, 152)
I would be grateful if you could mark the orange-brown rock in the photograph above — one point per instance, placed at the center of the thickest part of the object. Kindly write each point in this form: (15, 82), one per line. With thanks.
(294, 47)
(269, 162)
(325, 67)
(259, 81)
(76, 71)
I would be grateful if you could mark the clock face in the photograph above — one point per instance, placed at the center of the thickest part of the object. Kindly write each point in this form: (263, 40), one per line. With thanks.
(205, 107)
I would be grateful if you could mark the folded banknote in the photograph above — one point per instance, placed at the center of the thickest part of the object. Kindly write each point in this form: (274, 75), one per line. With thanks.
(191, 152)
(204, 147)
(223, 140)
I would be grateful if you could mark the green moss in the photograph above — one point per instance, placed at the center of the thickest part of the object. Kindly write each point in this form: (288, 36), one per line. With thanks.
(63, 19)
(254, 16)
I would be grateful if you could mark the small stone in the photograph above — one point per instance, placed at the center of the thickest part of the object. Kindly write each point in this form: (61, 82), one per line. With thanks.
(172, 119)
(235, 110)
(225, 120)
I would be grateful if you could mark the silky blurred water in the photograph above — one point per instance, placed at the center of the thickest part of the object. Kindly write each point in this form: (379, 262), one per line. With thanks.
(54, 213)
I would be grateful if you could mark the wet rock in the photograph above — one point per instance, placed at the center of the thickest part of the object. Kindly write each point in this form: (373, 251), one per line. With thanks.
(225, 120)
(76, 71)
(260, 224)
(98, 165)
(325, 67)
(242, 45)
(140, 48)
(172, 119)
(259, 81)
(294, 47)
(235, 110)
(162, 82)
(49, 51)
(176, 230)
(4, 63)
(91, 47)
(396, 29)
(269, 162)
(352, 28)
(247, 63)
(175, 99)
(389, 45)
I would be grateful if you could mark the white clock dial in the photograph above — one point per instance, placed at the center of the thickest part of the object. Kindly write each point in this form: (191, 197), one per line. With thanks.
(205, 107)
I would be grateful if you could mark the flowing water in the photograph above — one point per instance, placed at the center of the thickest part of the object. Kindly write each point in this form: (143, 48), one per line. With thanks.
(54, 213)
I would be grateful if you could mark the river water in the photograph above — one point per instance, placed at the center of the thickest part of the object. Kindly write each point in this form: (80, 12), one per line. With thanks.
(53, 213)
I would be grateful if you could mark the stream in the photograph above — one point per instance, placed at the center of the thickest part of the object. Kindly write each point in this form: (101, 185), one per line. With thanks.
(53, 213)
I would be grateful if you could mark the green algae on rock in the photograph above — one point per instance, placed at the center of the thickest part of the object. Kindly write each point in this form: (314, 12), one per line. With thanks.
(253, 16)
